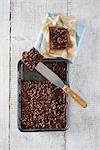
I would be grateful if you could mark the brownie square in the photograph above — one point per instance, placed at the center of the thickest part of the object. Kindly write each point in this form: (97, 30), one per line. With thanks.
(31, 58)
(59, 38)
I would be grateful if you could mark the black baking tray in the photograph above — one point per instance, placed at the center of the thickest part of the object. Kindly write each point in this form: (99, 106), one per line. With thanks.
(25, 74)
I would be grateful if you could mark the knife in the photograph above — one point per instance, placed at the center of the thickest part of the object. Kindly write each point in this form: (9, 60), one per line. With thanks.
(53, 78)
(32, 59)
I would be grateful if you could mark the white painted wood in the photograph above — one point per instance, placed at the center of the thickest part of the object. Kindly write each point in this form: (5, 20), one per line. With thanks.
(84, 133)
(26, 19)
(4, 74)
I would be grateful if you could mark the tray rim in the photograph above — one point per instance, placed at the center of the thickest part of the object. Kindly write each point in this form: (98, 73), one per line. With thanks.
(58, 59)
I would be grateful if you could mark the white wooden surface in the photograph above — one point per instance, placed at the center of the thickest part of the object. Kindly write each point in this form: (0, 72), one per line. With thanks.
(4, 74)
(84, 133)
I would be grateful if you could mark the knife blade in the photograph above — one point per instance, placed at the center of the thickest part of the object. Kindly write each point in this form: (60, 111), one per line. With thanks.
(53, 78)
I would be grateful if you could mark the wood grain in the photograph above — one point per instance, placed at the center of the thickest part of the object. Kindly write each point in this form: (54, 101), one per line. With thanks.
(25, 25)
(4, 73)
(84, 133)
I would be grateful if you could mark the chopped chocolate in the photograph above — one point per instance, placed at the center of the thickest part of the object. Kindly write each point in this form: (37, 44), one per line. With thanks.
(59, 38)
(31, 58)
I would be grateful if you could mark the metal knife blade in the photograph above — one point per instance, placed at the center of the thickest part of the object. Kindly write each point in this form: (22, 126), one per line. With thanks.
(49, 74)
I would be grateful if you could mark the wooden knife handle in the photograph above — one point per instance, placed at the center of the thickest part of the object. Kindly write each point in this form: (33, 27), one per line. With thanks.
(75, 96)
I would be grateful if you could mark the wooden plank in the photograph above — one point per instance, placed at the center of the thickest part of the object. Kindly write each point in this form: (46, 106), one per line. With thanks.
(4, 74)
(26, 20)
(84, 133)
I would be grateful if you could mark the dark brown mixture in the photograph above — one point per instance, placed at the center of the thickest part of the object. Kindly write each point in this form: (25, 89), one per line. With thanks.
(31, 58)
(59, 38)
(43, 105)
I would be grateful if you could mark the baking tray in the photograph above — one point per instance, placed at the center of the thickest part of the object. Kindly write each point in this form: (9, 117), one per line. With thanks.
(25, 74)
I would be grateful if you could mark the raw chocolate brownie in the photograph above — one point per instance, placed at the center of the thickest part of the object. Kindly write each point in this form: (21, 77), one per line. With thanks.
(31, 58)
(59, 38)
(43, 105)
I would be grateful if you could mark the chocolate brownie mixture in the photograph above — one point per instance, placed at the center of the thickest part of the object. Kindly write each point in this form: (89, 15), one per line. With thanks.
(43, 105)
(59, 38)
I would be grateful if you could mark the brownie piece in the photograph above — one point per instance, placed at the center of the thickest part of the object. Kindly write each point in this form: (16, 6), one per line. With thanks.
(59, 38)
(31, 58)
(43, 105)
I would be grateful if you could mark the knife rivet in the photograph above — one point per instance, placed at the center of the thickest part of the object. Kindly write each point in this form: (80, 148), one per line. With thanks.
(74, 95)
